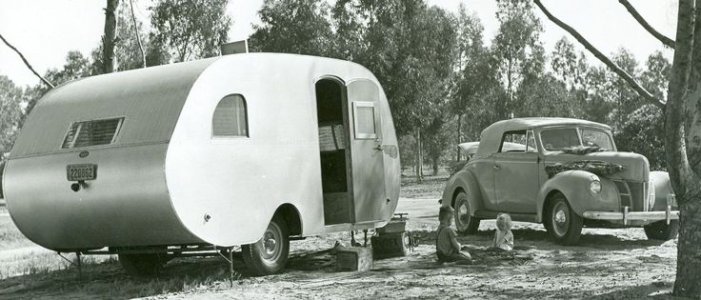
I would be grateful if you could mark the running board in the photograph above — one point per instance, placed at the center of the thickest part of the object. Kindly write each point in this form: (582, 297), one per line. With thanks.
(520, 217)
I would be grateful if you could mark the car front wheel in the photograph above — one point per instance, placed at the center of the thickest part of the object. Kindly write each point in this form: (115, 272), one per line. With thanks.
(662, 231)
(464, 223)
(269, 254)
(563, 224)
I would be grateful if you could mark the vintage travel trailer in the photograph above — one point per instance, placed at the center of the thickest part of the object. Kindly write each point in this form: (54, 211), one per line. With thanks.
(246, 149)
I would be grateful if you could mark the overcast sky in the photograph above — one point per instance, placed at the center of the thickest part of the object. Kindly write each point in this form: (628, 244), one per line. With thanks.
(45, 30)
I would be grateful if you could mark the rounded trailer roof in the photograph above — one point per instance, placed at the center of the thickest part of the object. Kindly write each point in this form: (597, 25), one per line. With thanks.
(152, 98)
(491, 136)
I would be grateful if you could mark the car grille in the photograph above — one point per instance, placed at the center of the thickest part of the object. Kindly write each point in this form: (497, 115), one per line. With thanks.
(632, 194)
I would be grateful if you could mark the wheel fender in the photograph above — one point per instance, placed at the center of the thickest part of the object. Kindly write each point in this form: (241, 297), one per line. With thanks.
(574, 185)
(663, 187)
(466, 181)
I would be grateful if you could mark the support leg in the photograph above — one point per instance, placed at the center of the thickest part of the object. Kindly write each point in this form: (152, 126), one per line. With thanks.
(79, 265)
(231, 265)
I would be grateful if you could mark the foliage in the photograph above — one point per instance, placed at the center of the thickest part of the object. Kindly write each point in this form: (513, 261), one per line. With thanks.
(10, 113)
(182, 38)
(517, 49)
(294, 26)
(643, 132)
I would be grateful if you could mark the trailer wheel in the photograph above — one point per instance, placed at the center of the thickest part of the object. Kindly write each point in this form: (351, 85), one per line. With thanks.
(269, 254)
(563, 224)
(142, 265)
(661, 231)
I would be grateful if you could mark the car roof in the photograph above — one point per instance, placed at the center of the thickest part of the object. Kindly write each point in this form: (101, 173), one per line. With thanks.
(491, 136)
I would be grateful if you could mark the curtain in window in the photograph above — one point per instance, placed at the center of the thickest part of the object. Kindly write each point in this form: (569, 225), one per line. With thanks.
(230, 117)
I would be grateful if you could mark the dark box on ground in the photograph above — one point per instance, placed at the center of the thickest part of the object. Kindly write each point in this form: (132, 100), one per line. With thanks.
(386, 245)
(353, 259)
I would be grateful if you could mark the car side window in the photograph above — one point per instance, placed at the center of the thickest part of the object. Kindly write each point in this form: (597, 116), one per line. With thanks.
(514, 141)
(530, 146)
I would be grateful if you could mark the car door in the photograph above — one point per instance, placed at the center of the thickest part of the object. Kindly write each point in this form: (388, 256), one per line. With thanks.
(516, 173)
(369, 196)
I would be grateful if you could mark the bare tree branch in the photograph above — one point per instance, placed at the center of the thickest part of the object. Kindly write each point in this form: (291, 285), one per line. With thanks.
(138, 38)
(26, 62)
(603, 58)
(665, 40)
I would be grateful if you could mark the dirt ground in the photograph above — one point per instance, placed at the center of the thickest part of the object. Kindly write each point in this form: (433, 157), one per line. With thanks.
(607, 264)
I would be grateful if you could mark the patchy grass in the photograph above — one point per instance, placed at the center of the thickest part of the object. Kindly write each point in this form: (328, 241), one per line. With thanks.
(10, 236)
(430, 187)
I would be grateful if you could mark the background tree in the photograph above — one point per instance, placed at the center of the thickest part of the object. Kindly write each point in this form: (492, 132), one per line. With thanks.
(474, 70)
(516, 48)
(294, 26)
(10, 113)
(177, 38)
(109, 38)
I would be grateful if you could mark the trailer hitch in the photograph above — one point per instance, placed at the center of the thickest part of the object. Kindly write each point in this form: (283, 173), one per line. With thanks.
(76, 186)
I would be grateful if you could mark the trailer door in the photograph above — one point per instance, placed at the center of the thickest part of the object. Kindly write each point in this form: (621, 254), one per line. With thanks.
(368, 173)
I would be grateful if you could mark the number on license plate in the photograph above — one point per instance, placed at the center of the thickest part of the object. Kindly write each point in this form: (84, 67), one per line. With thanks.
(81, 172)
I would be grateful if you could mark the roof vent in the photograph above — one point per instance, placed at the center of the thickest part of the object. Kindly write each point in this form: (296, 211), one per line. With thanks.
(235, 47)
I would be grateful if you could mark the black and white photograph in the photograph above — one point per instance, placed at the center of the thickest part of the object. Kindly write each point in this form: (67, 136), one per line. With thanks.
(350, 149)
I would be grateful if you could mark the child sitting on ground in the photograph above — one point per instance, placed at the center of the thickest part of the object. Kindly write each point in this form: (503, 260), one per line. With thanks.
(447, 246)
(503, 238)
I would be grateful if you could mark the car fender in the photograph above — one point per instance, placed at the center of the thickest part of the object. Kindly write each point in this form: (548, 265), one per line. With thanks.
(574, 185)
(463, 180)
(663, 187)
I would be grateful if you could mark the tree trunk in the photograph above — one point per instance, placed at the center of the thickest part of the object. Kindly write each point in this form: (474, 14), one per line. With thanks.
(108, 39)
(419, 157)
(681, 132)
(688, 281)
(136, 33)
(435, 160)
(457, 150)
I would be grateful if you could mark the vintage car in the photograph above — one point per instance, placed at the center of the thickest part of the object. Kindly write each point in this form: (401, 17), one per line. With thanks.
(566, 174)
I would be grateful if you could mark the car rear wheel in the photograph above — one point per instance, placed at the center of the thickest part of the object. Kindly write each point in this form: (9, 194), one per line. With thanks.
(661, 230)
(142, 264)
(563, 224)
(464, 223)
(269, 254)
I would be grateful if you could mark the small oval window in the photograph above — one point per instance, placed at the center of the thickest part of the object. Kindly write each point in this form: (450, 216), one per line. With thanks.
(230, 118)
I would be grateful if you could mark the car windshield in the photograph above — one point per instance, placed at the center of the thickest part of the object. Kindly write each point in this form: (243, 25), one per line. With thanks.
(596, 138)
(562, 139)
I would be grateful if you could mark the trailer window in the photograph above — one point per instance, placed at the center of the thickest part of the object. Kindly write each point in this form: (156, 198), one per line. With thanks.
(92, 133)
(230, 118)
(364, 119)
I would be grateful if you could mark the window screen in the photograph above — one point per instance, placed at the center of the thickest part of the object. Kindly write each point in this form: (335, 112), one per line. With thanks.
(364, 113)
(230, 117)
(331, 137)
(92, 133)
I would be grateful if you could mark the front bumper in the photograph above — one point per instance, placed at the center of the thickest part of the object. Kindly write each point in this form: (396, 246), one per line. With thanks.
(626, 216)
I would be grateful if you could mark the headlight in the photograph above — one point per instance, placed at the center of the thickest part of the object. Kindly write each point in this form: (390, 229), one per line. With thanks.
(595, 187)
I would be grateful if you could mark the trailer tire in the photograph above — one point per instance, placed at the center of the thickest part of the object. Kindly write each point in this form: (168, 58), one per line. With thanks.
(142, 264)
(269, 254)
(661, 231)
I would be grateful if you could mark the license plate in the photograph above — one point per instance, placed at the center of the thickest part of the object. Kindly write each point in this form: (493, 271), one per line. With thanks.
(81, 172)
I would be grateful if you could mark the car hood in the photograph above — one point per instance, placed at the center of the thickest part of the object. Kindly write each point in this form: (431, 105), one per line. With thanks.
(635, 166)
